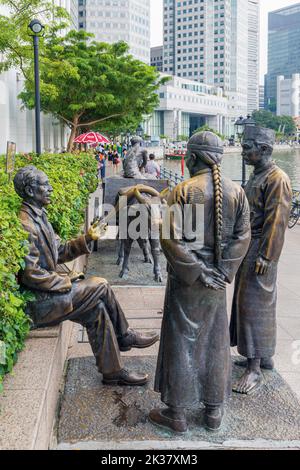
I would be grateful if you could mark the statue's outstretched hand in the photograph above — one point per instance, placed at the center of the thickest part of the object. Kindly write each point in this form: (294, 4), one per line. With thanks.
(212, 278)
(96, 231)
(262, 265)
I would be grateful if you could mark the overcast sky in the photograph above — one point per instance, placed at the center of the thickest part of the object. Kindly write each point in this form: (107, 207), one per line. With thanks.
(266, 6)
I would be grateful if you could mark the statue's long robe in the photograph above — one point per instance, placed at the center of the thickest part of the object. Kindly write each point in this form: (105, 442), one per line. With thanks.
(253, 319)
(194, 357)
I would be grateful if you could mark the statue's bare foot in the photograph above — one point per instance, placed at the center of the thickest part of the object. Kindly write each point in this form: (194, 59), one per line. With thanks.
(249, 382)
(265, 363)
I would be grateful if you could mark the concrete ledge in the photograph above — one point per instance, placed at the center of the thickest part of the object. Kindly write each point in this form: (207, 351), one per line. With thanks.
(29, 401)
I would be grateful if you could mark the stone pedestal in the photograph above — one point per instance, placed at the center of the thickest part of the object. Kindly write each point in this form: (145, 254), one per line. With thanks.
(94, 416)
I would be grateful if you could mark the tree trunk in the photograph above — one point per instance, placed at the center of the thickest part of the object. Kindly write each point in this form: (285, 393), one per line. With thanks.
(73, 133)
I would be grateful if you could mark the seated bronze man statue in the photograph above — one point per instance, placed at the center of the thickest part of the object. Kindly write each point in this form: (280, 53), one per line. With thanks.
(59, 297)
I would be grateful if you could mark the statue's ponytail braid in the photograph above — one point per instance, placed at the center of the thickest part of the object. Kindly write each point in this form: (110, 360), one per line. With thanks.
(218, 199)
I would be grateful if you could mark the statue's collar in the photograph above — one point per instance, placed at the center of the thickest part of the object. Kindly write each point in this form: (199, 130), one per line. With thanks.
(36, 210)
(201, 172)
(264, 168)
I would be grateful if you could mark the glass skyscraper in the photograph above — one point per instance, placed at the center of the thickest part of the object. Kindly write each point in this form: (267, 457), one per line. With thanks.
(283, 50)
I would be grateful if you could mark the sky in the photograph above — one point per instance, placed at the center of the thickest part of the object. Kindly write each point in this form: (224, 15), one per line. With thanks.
(266, 6)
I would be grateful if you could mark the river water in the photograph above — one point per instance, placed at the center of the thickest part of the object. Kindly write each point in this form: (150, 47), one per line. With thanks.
(289, 161)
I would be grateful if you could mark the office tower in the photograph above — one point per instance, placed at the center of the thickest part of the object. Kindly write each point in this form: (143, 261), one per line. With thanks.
(261, 97)
(157, 57)
(253, 55)
(119, 20)
(72, 8)
(207, 41)
(283, 49)
(288, 96)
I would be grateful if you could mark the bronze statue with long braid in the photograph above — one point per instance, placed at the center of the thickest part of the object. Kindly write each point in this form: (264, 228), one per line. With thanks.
(194, 364)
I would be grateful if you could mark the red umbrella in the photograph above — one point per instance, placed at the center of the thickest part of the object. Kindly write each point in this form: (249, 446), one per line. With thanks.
(91, 138)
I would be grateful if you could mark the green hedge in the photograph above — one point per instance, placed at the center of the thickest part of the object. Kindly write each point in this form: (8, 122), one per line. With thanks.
(73, 178)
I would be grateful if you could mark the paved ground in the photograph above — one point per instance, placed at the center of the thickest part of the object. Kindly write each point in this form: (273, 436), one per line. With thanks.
(143, 307)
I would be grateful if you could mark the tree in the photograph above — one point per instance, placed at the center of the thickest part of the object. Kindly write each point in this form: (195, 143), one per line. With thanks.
(87, 83)
(283, 124)
(15, 41)
(183, 137)
(209, 129)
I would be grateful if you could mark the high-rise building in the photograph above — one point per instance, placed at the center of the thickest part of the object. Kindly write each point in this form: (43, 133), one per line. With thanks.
(119, 20)
(253, 55)
(283, 49)
(157, 57)
(72, 8)
(207, 41)
(288, 96)
(261, 97)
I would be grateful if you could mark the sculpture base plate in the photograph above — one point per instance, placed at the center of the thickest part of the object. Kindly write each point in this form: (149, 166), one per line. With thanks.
(94, 416)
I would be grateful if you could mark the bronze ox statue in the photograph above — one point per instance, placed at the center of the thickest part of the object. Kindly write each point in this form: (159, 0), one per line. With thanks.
(143, 199)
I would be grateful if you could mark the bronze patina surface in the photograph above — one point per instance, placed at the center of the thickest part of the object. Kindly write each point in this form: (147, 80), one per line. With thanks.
(59, 297)
(253, 320)
(194, 358)
(136, 160)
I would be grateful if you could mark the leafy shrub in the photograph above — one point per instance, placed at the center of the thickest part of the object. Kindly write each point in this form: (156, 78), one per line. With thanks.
(73, 178)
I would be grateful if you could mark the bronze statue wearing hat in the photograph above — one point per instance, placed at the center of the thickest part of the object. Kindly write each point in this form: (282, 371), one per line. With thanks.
(253, 320)
(59, 297)
(136, 159)
(194, 362)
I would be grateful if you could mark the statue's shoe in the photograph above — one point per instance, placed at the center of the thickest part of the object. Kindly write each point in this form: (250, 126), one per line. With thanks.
(133, 339)
(158, 418)
(213, 418)
(124, 377)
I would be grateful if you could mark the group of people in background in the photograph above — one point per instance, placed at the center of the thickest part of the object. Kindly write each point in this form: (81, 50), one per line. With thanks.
(114, 154)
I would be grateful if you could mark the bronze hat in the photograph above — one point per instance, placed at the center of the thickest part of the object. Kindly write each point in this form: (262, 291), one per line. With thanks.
(261, 135)
(136, 140)
(206, 141)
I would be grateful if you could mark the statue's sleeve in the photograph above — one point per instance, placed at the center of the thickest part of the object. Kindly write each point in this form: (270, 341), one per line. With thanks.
(183, 262)
(238, 244)
(72, 249)
(277, 199)
(35, 277)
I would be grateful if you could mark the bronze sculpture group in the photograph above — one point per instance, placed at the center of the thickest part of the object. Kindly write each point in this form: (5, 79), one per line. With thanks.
(243, 235)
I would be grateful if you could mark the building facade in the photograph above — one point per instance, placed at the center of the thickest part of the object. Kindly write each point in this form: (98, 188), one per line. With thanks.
(157, 58)
(215, 42)
(283, 49)
(253, 55)
(186, 105)
(118, 20)
(72, 7)
(288, 96)
(261, 97)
